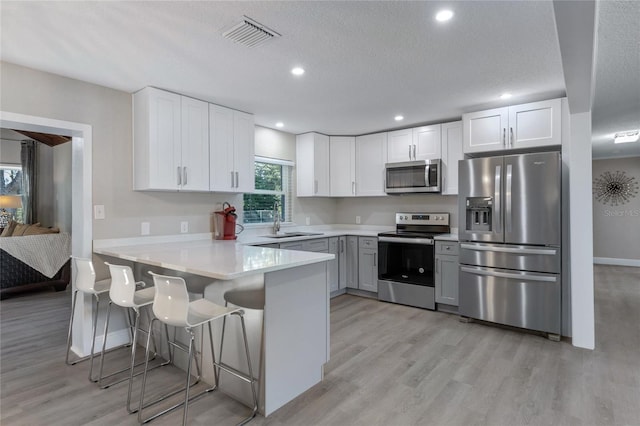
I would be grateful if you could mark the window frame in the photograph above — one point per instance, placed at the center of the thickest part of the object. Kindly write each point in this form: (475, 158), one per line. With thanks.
(287, 193)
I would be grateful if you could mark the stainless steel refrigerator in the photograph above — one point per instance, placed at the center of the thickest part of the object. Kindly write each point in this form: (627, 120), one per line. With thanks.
(510, 255)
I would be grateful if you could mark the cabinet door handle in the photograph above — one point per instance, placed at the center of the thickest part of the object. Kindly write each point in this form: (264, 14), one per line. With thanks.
(511, 136)
(184, 174)
(341, 246)
(414, 152)
(375, 259)
(504, 136)
(409, 151)
(353, 188)
(179, 176)
(232, 181)
(237, 179)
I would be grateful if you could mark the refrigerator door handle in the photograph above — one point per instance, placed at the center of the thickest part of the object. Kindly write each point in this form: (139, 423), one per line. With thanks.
(497, 218)
(507, 200)
(546, 252)
(479, 271)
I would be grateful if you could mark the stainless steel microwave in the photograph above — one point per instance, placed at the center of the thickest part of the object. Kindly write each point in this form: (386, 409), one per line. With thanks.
(412, 176)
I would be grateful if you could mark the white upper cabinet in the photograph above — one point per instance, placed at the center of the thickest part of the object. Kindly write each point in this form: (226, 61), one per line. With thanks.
(195, 145)
(535, 124)
(169, 142)
(371, 155)
(312, 165)
(400, 145)
(426, 142)
(419, 143)
(231, 137)
(451, 154)
(342, 166)
(520, 126)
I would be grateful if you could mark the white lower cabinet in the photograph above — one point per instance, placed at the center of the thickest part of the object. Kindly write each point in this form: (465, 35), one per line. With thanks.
(368, 264)
(446, 275)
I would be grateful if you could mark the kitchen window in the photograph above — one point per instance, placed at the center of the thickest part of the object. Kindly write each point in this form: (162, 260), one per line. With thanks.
(273, 184)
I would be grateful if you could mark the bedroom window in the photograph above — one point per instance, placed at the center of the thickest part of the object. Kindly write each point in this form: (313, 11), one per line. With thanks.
(10, 192)
(10, 180)
(273, 184)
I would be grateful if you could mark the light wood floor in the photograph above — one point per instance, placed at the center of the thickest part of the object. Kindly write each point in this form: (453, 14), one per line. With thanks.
(390, 365)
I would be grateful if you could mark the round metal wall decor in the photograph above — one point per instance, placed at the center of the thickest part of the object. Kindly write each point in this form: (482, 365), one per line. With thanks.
(615, 189)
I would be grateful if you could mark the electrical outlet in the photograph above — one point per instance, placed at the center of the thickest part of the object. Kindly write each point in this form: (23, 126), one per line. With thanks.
(98, 211)
(307, 220)
(184, 227)
(145, 228)
(357, 220)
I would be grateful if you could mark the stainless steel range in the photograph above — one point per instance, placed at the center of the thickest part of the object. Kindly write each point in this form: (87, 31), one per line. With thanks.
(406, 268)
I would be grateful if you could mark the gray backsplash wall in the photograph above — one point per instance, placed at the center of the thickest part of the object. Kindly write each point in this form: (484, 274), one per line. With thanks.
(381, 210)
(616, 229)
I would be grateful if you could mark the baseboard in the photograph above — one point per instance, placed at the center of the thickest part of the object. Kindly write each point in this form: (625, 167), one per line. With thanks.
(614, 261)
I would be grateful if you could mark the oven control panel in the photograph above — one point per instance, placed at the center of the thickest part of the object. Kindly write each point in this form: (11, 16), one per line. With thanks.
(422, 218)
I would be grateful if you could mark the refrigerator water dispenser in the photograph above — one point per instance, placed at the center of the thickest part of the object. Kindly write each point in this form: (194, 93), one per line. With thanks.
(479, 213)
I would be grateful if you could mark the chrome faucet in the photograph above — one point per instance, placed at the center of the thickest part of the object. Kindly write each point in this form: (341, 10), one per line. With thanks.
(276, 218)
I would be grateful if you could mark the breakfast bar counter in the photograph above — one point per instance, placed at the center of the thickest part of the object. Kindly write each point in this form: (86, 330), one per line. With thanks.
(296, 313)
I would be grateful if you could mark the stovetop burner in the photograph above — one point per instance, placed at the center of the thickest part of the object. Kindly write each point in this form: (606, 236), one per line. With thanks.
(419, 225)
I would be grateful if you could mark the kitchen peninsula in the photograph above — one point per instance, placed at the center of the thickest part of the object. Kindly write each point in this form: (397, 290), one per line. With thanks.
(296, 328)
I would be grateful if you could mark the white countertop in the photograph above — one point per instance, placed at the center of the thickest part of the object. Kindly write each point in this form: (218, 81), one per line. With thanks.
(222, 260)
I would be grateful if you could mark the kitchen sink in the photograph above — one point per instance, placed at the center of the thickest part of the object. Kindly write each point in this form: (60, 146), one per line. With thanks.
(293, 234)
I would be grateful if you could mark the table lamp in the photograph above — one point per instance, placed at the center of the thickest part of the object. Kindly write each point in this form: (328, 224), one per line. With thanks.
(8, 202)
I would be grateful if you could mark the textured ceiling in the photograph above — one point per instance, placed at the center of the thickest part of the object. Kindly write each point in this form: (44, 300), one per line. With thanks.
(617, 91)
(365, 61)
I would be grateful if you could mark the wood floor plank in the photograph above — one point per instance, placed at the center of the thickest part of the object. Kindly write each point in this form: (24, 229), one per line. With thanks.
(390, 365)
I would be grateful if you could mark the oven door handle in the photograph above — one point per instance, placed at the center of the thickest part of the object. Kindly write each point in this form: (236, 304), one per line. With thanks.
(421, 241)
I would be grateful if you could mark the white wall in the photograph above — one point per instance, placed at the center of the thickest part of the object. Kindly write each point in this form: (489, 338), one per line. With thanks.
(616, 229)
(45, 189)
(9, 152)
(62, 215)
(381, 210)
(108, 111)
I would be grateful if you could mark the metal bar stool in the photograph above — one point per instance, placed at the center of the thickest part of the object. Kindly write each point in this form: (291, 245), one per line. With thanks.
(124, 293)
(171, 306)
(86, 283)
(249, 294)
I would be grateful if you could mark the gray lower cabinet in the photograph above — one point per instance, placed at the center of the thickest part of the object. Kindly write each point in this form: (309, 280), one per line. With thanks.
(342, 262)
(334, 265)
(352, 262)
(321, 245)
(446, 272)
(368, 264)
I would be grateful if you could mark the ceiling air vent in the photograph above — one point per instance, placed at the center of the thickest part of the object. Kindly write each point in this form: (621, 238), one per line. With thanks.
(249, 33)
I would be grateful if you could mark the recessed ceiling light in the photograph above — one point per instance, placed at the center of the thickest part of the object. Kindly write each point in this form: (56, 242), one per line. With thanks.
(628, 136)
(398, 118)
(506, 96)
(444, 15)
(297, 71)
(279, 124)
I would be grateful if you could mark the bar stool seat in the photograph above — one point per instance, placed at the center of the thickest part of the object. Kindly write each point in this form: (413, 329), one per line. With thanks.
(124, 292)
(250, 298)
(171, 306)
(86, 283)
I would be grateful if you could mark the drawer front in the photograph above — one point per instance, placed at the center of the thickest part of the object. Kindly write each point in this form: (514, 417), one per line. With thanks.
(368, 242)
(447, 247)
(319, 245)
